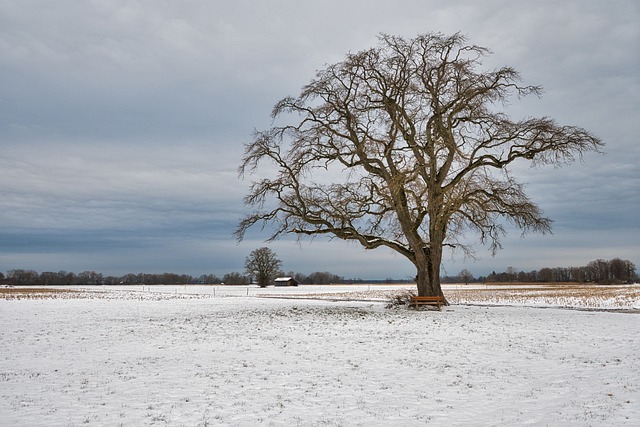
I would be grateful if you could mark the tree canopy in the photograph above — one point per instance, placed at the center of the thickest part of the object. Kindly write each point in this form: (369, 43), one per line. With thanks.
(263, 265)
(405, 146)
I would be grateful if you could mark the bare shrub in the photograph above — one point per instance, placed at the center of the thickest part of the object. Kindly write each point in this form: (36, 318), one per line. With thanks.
(401, 299)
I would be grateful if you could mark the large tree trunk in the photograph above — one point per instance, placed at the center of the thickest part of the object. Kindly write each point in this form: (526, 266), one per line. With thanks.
(428, 272)
(428, 278)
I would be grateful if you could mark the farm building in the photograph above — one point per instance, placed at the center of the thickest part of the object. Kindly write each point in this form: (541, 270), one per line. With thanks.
(286, 281)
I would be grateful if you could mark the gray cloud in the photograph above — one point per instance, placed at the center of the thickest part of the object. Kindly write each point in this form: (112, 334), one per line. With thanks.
(122, 124)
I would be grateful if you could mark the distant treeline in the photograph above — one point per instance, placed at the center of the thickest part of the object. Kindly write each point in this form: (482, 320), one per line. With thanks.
(31, 277)
(600, 271)
(316, 278)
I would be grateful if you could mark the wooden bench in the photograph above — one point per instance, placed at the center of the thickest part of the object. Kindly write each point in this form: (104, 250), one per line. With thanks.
(419, 301)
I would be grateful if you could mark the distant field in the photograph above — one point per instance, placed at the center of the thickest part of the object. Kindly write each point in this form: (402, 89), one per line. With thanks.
(571, 295)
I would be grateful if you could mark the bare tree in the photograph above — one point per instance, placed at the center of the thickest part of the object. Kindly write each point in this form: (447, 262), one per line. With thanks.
(263, 265)
(89, 278)
(405, 146)
(22, 277)
(235, 278)
(621, 270)
(599, 271)
(465, 275)
(209, 279)
(324, 278)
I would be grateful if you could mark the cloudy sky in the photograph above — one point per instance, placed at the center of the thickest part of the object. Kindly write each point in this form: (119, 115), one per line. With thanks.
(122, 125)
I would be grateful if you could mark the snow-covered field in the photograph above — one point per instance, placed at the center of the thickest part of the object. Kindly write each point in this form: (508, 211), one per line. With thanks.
(208, 356)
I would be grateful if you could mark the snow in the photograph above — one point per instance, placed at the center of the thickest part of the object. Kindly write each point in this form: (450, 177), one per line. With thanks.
(189, 356)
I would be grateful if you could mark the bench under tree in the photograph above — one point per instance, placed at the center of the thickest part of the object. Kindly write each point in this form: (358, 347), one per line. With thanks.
(418, 301)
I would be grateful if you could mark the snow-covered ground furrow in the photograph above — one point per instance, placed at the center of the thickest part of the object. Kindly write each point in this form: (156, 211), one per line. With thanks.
(250, 361)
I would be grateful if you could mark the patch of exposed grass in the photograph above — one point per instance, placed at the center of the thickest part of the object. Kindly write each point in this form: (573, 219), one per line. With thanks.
(33, 293)
(564, 295)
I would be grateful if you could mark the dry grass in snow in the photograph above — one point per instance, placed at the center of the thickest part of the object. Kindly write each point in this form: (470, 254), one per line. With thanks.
(570, 296)
(588, 296)
(8, 292)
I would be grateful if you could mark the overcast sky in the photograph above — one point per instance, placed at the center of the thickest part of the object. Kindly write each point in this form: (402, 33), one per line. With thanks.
(122, 125)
